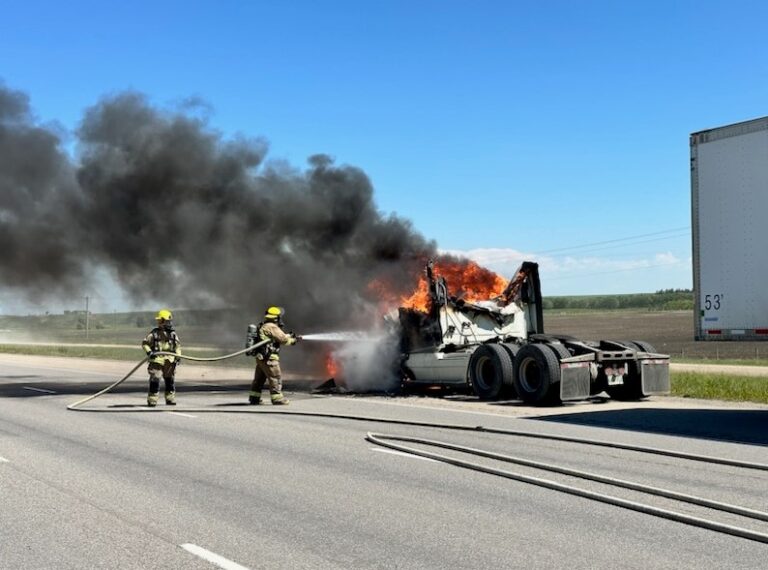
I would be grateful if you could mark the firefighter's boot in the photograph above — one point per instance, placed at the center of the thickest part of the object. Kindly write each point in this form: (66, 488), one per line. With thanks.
(152, 400)
(170, 398)
(254, 399)
(279, 400)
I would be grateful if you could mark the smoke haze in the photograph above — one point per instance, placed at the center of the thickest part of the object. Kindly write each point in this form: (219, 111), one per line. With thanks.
(175, 211)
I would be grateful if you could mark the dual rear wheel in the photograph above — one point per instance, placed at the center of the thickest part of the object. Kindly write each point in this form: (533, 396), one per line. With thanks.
(491, 372)
(533, 371)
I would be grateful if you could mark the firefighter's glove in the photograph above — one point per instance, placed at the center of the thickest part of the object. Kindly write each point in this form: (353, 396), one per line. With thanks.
(150, 354)
(293, 338)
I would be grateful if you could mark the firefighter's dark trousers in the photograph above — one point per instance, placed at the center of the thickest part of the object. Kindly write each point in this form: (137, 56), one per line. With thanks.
(166, 371)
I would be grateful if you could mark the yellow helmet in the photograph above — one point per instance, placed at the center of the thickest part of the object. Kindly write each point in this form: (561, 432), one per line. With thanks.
(274, 313)
(163, 315)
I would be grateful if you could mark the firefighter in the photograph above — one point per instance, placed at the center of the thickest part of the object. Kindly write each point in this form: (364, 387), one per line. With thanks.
(268, 356)
(162, 338)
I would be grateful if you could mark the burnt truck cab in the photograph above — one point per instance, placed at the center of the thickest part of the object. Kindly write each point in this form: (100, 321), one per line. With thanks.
(498, 349)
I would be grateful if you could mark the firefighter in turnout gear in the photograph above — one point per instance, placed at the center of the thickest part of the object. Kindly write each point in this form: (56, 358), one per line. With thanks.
(268, 356)
(162, 338)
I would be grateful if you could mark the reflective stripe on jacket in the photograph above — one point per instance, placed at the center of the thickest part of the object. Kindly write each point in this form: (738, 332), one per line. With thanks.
(273, 333)
(160, 340)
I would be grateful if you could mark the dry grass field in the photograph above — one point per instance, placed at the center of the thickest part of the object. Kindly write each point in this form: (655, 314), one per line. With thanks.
(670, 332)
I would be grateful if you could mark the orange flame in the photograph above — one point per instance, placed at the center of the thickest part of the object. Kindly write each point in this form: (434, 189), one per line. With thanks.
(419, 299)
(331, 366)
(465, 279)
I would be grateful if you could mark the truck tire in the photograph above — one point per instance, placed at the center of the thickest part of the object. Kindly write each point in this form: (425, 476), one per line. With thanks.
(632, 389)
(560, 350)
(644, 346)
(537, 375)
(490, 370)
(509, 390)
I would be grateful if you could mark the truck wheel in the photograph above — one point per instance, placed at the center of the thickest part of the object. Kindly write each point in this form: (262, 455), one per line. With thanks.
(559, 350)
(632, 389)
(537, 374)
(509, 390)
(644, 346)
(489, 368)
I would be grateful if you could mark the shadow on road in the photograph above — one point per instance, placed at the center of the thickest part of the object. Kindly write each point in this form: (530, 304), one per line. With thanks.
(48, 388)
(731, 425)
(740, 426)
(34, 388)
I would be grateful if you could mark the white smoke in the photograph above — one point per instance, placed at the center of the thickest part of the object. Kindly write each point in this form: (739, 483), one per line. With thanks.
(368, 366)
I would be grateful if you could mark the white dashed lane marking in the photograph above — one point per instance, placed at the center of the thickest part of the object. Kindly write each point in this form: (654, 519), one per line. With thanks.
(182, 414)
(212, 557)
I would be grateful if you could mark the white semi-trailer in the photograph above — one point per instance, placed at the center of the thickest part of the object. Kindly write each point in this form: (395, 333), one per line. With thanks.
(729, 202)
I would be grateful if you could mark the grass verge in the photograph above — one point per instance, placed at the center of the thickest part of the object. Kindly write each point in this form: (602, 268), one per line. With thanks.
(719, 386)
(729, 361)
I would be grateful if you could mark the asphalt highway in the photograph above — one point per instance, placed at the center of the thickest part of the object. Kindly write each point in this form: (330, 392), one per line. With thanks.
(240, 487)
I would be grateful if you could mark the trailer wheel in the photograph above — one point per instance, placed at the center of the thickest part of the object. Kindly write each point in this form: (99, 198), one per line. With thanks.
(537, 374)
(490, 370)
(632, 389)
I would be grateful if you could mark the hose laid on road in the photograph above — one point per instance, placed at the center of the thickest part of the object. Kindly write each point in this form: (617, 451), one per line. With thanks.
(378, 438)
(143, 360)
(385, 440)
(462, 427)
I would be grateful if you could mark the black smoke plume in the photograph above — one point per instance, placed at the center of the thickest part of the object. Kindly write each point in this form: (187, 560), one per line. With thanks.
(179, 213)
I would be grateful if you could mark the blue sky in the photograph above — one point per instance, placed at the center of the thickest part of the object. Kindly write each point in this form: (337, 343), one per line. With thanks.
(552, 131)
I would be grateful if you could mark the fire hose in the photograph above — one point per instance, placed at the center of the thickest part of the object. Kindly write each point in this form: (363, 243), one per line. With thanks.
(644, 449)
(386, 441)
(161, 353)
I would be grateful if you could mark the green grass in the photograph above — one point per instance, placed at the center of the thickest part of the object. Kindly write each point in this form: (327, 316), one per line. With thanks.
(730, 361)
(108, 353)
(719, 386)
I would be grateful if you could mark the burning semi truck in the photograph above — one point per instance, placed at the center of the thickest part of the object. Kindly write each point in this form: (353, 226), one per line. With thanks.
(498, 349)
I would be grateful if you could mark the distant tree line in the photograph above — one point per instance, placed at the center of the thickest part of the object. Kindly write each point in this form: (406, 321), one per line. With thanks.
(663, 300)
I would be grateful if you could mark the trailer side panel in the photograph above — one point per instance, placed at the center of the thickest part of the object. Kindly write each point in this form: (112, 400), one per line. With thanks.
(729, 200)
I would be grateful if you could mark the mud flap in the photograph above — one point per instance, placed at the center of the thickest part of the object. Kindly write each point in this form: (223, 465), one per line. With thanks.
(654, 375)
(575, 381)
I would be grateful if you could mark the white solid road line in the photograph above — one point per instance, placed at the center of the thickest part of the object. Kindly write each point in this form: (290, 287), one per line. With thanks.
(74, 373)
(437, 408)
(212, 557)
(39, 390)
(395, 452)
(182, 414)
